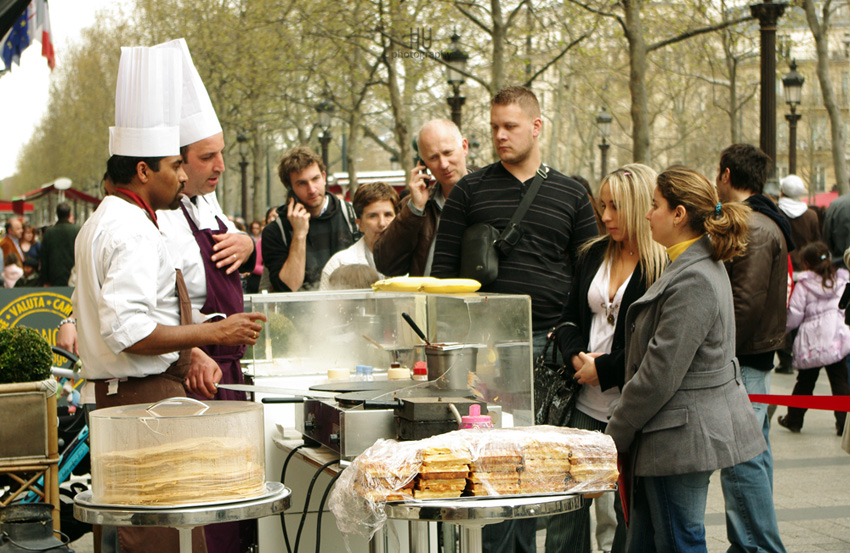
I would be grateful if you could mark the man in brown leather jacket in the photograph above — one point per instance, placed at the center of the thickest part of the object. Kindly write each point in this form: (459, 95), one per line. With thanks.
(407, 245)
(759, 280)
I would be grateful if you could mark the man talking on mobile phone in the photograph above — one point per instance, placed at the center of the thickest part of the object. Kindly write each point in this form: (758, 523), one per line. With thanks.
(311, 225)
(407, 245)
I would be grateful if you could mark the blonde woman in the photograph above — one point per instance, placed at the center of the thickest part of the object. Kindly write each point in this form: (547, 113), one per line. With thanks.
(613, 271)
(683, 412)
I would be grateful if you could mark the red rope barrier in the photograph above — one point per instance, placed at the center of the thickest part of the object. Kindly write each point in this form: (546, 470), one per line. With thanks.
(827, 403)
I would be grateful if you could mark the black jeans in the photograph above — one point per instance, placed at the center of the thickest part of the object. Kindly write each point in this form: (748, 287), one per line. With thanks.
(806, 379)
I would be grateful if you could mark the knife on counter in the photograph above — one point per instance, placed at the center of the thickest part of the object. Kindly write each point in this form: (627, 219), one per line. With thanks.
(276, 391)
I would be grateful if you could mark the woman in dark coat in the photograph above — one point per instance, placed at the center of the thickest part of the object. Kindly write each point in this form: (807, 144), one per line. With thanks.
(612, 272)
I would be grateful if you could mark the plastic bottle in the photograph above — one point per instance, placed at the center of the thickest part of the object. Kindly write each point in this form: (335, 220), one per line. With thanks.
(360, 373)
(475, 419)
(368, 375)
(420, 371)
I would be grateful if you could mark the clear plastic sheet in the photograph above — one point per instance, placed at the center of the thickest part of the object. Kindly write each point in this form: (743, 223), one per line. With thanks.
(531, 460)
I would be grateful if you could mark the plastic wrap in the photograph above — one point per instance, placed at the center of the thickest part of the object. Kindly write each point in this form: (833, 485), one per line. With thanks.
(532, 460)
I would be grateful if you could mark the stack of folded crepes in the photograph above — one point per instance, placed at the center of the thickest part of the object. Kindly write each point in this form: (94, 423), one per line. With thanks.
(495, 470)
(545, 467)
(443, 472)
(197, 470)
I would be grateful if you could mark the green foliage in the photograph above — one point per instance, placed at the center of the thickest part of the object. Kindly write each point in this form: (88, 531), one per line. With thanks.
(24, 355)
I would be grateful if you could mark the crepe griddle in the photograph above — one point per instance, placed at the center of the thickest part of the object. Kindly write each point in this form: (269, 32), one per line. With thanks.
(389, 399)
(361, 386)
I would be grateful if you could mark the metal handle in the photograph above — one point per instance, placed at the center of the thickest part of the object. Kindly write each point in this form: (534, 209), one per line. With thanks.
(415, 327)
(204, 406)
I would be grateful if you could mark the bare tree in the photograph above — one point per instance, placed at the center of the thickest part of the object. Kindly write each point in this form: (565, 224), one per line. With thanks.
(820, 31)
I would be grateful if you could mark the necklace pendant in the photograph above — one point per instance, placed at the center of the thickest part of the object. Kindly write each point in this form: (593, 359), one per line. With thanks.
(610, 319)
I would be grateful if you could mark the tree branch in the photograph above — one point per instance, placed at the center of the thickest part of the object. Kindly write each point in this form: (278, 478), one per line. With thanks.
(696, 32)
(514, 13)
(474, 19)
(369, 133)
(555, 59)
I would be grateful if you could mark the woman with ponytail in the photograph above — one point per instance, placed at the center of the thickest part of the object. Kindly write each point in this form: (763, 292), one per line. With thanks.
(823, 339)
(683, 412)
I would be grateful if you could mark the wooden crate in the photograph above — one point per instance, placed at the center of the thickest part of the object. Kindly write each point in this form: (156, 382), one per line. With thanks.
(29, 438)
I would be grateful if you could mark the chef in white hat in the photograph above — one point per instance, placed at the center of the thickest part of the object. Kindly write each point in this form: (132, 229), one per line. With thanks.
(211, 249)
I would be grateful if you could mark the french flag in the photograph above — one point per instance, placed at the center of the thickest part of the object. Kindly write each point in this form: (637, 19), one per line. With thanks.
(34, 24)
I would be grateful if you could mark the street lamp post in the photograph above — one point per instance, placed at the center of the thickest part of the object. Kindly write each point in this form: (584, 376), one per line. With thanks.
(603, 121)
(792, 84)
(768, 13)
(325, 109)
(456, 60)
(242, 140)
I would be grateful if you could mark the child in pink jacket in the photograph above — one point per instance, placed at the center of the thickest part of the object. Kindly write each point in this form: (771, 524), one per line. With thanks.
(823, 340)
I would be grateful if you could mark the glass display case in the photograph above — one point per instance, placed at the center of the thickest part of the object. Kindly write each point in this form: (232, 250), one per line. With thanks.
(309, 333)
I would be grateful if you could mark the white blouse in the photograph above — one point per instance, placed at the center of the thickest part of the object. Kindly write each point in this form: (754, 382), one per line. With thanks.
(592, 401)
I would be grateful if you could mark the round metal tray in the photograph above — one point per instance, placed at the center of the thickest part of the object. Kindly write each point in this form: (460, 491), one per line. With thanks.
(275, 500)
(482, 510)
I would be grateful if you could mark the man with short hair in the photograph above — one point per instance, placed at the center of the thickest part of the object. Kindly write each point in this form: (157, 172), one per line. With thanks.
(199, 234)
(407, 246)
(11, 244)
(759, 279)
(311, 226)
(558, 221)
(57, 248)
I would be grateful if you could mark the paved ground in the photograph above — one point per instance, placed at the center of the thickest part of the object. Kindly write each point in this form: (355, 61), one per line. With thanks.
(811, 485)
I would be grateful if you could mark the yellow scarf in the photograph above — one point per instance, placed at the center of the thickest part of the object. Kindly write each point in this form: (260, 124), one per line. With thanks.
(675, 251)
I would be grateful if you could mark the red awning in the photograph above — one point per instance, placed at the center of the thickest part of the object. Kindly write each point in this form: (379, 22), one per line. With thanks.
(823, 199)
(49, 189)
(7, 206)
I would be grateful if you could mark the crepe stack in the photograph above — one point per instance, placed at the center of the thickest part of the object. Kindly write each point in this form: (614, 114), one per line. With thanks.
(545, 467)
(495, 470)
(198, 470)
(443, 472)
(386, 480)
(594, 463)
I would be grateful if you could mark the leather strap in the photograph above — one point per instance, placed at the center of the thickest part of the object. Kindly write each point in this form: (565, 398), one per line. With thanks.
(180, 368)
(512, 233)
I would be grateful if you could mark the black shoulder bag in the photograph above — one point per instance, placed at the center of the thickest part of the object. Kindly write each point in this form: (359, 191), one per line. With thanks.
(555, 387)
(482, 244)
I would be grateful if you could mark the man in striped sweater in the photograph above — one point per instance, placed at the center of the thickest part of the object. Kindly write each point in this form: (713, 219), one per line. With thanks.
(559, 220)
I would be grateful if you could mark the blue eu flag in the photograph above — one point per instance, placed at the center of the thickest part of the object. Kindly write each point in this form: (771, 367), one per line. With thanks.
(16, 41)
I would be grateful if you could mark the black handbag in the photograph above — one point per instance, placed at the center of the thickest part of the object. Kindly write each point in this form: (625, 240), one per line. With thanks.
(482, 244)
(555, 388)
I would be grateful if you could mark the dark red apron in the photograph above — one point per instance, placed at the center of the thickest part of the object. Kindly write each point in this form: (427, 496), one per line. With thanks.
(150, 389)
(224, 295)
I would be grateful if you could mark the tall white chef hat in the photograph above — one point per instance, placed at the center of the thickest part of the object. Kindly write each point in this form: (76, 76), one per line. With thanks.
(197, 116)
(147, 103)
(792, 186)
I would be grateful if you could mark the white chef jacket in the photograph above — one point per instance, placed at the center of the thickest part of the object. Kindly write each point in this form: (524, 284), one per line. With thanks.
(356, 254)
(182, 244)
(125, 287)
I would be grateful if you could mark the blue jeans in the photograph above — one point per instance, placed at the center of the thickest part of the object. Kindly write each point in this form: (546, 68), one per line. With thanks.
(748, 487)
(668, 514)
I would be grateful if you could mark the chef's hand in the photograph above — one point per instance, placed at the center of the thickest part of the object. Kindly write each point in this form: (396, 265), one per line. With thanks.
(66, 338)
(203, 375)
(299, 218)
(587, 373)
(238, 329)
(418, 186)
(232, 250)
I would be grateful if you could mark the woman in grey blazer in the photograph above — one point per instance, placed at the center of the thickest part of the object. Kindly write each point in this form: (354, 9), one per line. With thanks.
(683, 412)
